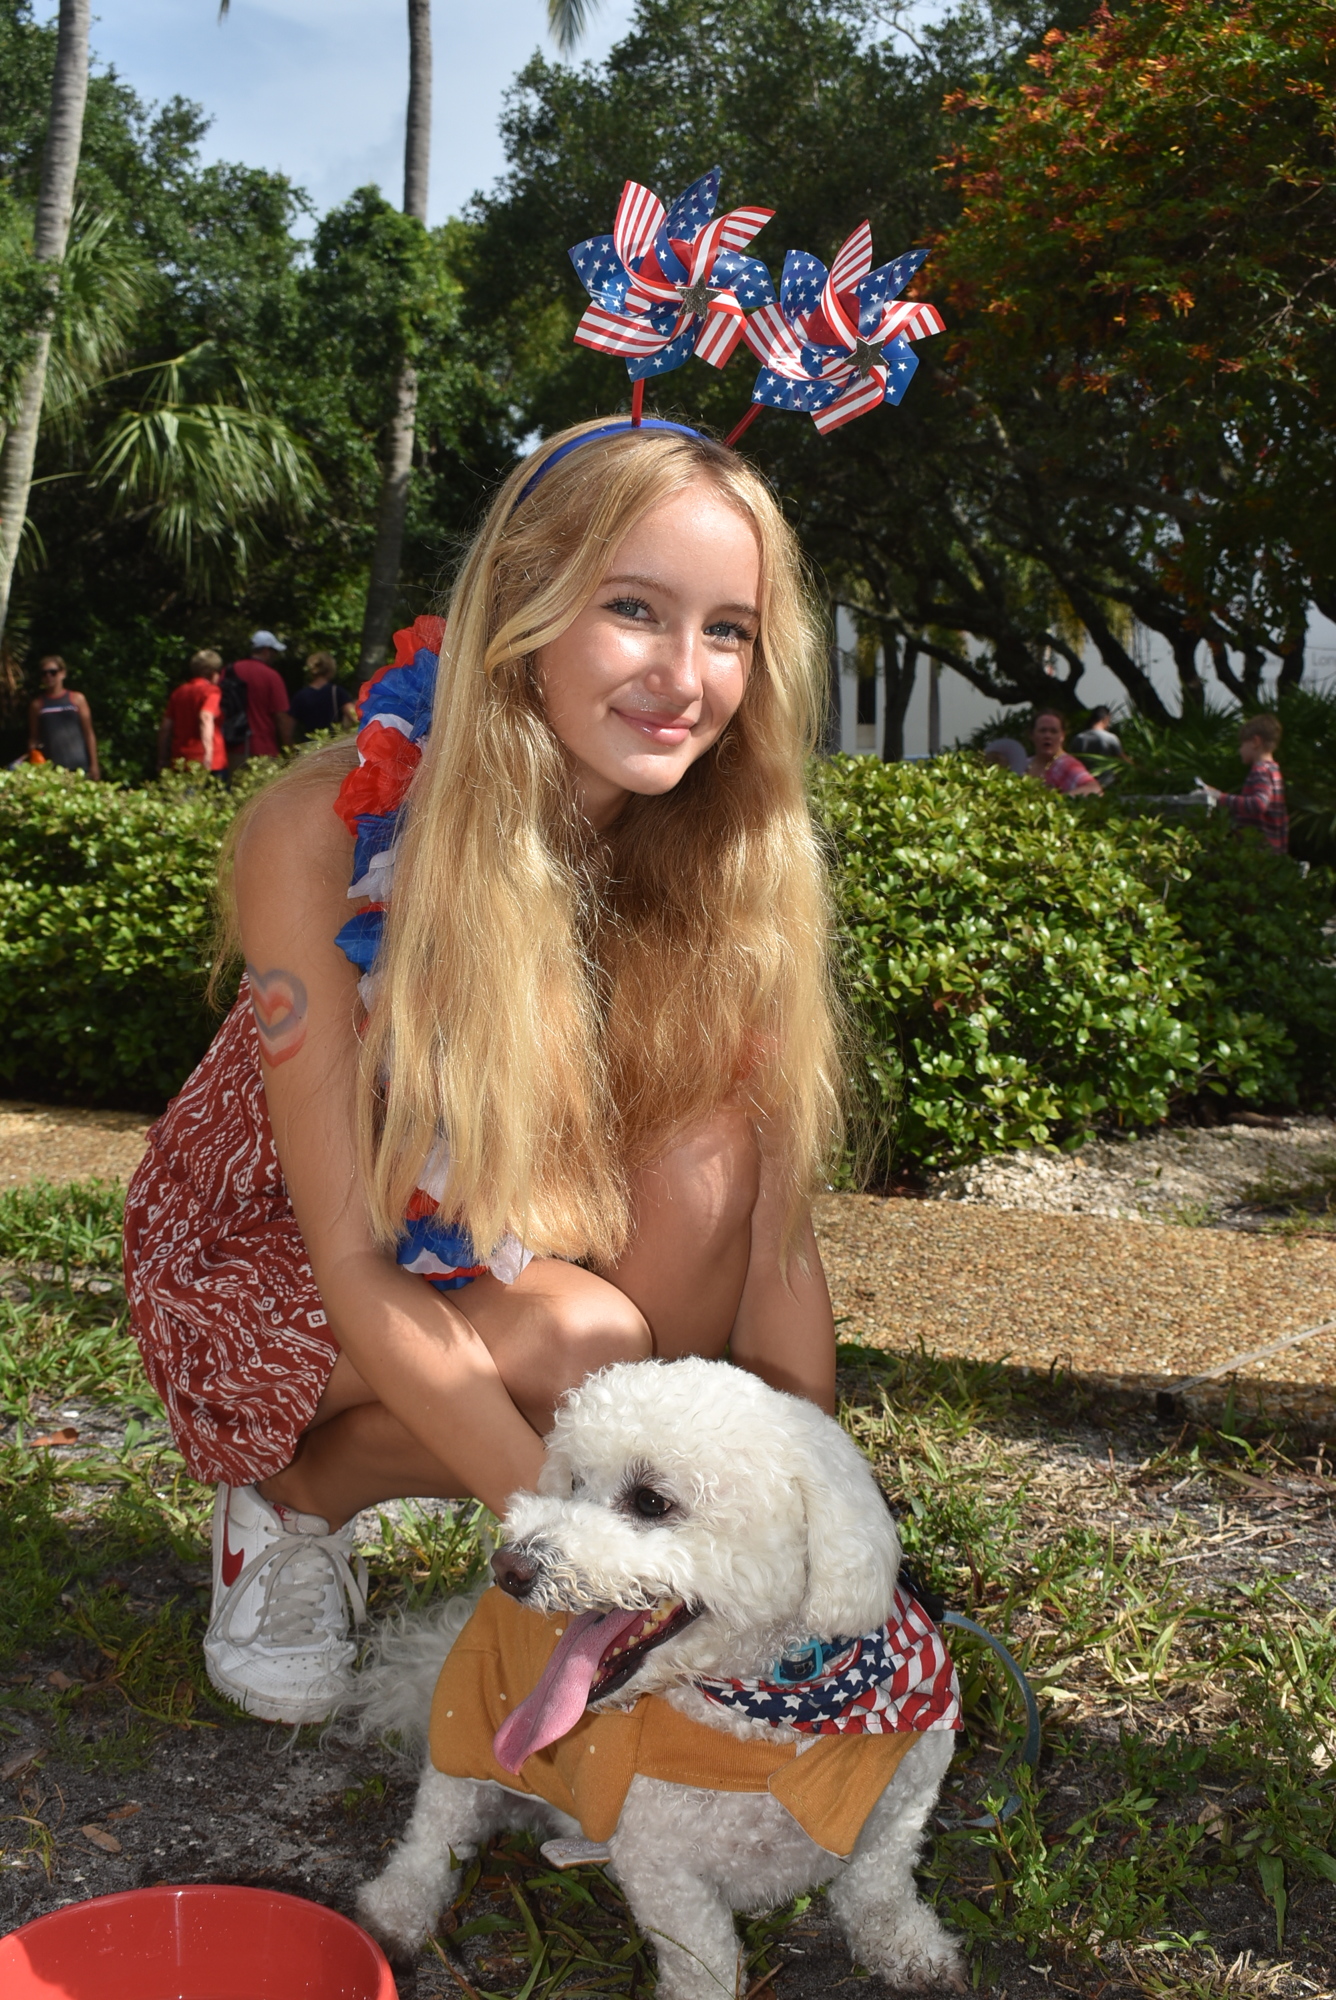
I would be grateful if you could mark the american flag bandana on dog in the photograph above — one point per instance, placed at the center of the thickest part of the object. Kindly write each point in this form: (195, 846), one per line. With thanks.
(899, 1677)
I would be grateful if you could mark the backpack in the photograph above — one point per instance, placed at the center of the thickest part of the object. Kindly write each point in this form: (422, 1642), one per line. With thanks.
(235, 709)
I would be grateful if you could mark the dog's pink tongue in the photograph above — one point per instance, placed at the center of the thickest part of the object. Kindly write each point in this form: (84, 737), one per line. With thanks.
(560, 1698)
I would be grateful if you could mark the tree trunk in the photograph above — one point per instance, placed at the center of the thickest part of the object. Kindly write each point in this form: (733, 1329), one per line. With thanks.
(397, 461)
(900, 667)
(396, 471)
(417, 135)
(55, 205)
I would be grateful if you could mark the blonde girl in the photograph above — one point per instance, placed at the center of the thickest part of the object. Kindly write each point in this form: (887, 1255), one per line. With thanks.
(594, 1051)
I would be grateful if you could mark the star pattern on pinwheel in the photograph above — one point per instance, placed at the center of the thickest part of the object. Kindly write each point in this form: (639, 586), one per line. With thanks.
(836, 344)
(671, 282)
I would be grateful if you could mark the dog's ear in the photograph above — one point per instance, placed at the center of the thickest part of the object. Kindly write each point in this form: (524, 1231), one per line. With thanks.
(853, 1551)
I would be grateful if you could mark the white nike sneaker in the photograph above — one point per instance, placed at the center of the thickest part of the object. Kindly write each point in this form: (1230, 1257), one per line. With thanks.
(277, 1642)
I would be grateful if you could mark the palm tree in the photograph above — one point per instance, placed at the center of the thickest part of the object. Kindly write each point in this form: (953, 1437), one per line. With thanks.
(568, 20)
(55, 207)
(397, 463)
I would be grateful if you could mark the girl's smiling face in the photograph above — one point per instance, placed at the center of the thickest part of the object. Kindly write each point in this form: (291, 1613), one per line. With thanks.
(651, 672)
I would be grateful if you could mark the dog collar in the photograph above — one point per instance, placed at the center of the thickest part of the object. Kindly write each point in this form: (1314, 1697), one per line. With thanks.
(899, 1677)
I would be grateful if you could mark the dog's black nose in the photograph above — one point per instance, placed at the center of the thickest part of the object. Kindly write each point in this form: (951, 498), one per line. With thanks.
(515, 1573)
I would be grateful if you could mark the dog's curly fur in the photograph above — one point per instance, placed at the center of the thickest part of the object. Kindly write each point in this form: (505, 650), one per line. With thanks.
(776, 1529)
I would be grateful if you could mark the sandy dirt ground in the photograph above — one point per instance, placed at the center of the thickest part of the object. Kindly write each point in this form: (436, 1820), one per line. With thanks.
(1126, 1304)
(1040, 1261)
(61, 1143)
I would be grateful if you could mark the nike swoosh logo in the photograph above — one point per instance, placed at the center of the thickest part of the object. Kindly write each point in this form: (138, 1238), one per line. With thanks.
(232, 1560)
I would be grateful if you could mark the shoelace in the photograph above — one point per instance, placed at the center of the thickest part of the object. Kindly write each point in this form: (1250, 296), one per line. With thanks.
(293, 1598)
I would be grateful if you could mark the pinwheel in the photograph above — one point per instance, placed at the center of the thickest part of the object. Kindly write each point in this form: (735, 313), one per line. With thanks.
(837, 343)
(671, 283)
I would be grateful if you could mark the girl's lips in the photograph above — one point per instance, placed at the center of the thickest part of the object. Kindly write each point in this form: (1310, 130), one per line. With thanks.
(659, 728)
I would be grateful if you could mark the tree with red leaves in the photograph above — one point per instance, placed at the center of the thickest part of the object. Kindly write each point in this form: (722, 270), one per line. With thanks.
(1144, 278)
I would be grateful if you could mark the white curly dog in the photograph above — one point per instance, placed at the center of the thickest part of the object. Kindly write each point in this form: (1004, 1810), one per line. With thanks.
(700, 1532)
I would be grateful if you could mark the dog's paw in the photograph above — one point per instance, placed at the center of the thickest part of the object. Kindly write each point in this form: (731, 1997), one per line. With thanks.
(397, 1914)
(912, 1953)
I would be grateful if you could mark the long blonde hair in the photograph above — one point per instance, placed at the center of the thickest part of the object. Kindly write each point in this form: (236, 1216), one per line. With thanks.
(561, 1003)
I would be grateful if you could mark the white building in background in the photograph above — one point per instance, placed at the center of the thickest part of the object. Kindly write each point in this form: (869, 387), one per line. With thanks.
(962, 709)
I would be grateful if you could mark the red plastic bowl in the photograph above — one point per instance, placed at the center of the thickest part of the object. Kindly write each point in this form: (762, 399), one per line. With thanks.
(205, 1942)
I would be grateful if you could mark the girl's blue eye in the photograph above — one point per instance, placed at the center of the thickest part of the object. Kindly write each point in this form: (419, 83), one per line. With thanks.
(628, 607)
(727, 629)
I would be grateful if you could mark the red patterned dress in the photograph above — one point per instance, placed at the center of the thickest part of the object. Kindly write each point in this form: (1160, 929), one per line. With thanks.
(222, 1300)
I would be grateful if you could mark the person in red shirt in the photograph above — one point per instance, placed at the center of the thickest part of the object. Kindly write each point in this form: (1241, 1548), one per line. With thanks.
(191, 732)
(266, 701)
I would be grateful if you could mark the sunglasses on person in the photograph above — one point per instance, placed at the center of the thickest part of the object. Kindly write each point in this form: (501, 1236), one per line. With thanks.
(52, 673)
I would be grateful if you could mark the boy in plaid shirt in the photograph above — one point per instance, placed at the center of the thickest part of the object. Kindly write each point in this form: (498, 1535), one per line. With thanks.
(1261, 803)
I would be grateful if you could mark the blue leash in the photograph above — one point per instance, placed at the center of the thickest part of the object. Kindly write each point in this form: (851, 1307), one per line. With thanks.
(1029, 1751)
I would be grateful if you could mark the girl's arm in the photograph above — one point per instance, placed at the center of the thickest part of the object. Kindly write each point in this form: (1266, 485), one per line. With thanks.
(418, 1352)
(785, 1331)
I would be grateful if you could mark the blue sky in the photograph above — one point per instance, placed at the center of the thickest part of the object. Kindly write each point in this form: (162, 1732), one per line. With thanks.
(315, 88)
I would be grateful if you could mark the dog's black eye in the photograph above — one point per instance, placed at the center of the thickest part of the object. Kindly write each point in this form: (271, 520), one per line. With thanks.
(651, 1506)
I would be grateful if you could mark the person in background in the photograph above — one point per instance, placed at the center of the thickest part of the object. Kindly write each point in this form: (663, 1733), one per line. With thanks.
(1097, 739)
(191, 731)
(1056, 767)
(60, 723)
(322, 703)
(270, 721)
(1261, 803)
(1008, 753)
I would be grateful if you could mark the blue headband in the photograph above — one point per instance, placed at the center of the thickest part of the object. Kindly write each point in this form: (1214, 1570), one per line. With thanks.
(613, 429)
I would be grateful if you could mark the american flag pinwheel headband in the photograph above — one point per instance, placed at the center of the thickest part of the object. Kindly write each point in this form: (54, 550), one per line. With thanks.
(672, 282)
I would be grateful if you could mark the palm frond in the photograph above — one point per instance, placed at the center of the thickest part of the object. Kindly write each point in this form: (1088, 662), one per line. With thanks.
(567, 20)
(211, 475)
(104, 287)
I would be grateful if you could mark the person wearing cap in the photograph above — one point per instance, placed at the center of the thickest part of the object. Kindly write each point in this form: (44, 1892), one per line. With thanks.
(266, 701)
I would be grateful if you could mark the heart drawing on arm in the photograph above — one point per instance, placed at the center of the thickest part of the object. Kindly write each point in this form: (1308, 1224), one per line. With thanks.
(279, 1001)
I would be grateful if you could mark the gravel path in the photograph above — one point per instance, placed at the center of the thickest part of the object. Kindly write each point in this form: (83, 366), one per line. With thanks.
(1042, 1261)
(1178, 1173)
(62, 1143)
(1121, 1305)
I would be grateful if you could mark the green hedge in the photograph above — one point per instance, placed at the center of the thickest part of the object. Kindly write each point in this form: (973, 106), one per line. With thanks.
(105, 932)
(1018, 964)
(1022, 967)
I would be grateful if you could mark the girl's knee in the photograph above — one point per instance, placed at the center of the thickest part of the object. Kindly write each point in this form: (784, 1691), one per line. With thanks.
(596, 1329)
(712, 1175)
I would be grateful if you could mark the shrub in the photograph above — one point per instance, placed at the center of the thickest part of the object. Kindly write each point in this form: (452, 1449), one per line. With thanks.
(1012, 964)
(1265, 959)
(105, 926)
(1022, 966)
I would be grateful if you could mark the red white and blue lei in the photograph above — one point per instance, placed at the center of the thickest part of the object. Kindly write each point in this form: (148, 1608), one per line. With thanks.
(898, 1677)
(395, 710)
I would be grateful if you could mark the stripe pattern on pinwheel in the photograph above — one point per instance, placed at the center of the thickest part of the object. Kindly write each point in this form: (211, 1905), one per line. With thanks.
(395, 709)
(837, 343)
(670, 283)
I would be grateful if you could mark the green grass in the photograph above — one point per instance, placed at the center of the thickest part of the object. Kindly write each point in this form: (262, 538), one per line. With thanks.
(69, 1224)
(1190, 1741)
